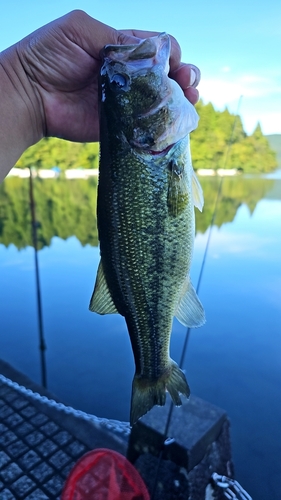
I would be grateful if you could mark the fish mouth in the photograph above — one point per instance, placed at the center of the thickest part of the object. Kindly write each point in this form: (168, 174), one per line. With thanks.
(146, 150)
(163, 152)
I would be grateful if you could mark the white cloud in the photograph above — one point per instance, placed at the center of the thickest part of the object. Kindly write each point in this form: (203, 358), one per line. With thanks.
(261, 97)
(228, 88)
(270, 122)
(226, 243)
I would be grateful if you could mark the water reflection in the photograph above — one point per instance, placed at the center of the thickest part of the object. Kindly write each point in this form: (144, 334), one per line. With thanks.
(233, 361)
(63, 208)
(68, 208)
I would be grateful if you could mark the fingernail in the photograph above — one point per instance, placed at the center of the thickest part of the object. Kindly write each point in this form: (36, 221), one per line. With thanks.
(195, 76)
(192, 77)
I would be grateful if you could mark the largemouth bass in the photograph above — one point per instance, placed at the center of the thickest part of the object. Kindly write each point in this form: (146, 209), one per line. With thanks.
(146, 196)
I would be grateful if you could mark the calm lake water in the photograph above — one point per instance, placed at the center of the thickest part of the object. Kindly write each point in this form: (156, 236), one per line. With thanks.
(234, 361)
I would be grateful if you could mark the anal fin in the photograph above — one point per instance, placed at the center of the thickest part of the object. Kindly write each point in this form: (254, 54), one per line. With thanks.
(190, 311)
(101, 301)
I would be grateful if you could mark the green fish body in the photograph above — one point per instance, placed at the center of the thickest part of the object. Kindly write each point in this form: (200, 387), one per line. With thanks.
(146, 196)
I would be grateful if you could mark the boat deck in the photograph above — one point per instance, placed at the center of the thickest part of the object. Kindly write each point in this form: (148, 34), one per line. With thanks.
(39, 444)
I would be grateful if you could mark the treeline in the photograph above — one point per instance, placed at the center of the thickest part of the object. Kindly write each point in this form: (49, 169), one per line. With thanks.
(52, 152)
(216, 130)
(68, 208)
(275, 144)
(209, 146)
(63, 208)
(235, 191)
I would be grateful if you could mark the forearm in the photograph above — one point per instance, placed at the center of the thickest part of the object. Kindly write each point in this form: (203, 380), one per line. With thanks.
(19, 123)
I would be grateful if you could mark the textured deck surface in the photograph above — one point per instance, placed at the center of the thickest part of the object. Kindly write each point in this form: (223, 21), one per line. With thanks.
(36, 454)
(38, 447)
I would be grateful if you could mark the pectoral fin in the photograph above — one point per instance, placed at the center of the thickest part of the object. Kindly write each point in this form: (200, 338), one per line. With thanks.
(190, 311)
(177, 189)
(198, 198)
(101, 301)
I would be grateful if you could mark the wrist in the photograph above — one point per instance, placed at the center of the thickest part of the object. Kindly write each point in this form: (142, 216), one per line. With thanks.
(21, 123)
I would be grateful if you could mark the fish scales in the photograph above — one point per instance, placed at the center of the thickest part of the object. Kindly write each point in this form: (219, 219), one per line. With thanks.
(146, 228)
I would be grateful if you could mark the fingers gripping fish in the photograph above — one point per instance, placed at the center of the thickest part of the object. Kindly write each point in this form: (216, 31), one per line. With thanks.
(146, 196)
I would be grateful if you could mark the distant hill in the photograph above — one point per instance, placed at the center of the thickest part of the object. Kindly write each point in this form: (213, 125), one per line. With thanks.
(275, 144)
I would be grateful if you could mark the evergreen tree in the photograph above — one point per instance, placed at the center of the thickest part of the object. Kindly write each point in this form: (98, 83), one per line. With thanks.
(209, 146)
(211, 141)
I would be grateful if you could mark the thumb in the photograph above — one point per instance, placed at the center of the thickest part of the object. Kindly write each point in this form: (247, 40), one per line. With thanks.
(91, 35)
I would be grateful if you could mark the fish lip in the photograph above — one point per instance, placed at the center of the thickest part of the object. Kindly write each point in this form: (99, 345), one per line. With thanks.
(152, 152)
(158, 154)
(163, 152)
(157, 48)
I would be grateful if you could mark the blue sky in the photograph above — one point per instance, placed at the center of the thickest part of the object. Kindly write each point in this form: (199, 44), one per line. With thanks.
(236, 45)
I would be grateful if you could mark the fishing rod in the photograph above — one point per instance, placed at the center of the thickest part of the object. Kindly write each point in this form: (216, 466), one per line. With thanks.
(166, 440)
(42, 343)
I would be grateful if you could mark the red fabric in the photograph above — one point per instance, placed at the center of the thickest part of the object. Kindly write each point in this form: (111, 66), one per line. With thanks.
(104, 475)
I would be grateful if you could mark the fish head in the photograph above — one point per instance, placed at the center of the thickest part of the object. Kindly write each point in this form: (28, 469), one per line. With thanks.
(146, 107)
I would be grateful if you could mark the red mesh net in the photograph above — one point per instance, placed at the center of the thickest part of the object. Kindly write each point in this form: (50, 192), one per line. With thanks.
(104, 475)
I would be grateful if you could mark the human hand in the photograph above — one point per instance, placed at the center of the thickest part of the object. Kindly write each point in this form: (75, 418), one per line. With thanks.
(60, 65)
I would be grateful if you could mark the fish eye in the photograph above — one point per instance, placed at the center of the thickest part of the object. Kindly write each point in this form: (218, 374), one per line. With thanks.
(119, 81)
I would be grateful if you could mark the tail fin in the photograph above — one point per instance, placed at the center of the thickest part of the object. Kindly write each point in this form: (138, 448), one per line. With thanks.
(147, 393)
